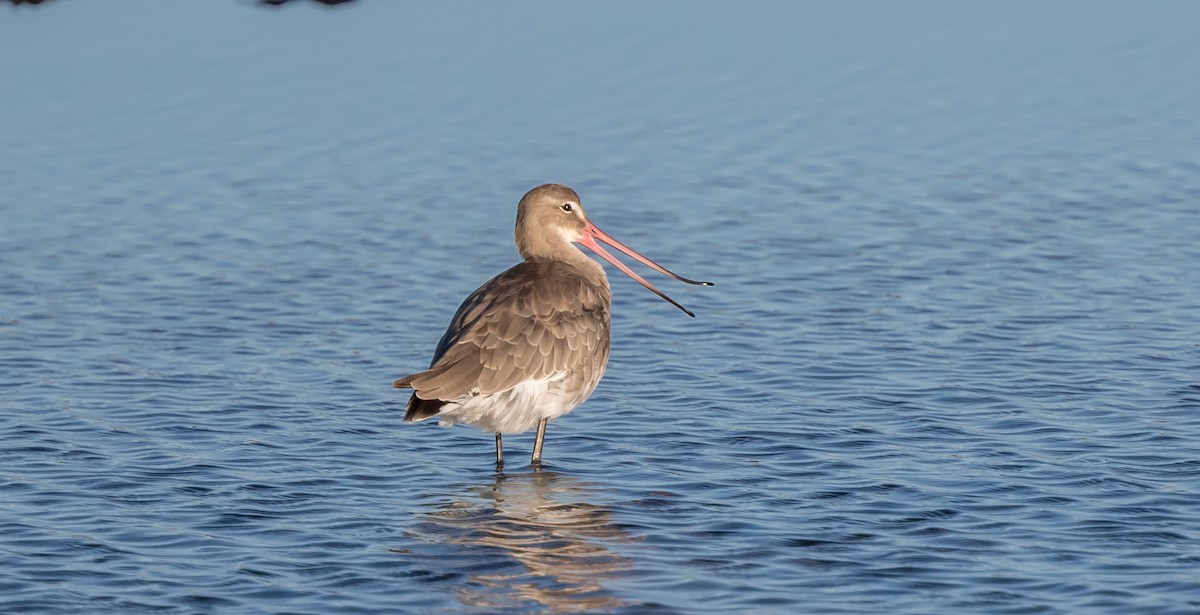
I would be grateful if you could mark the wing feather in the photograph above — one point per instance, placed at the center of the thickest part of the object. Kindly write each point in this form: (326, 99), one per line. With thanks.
(538, 319)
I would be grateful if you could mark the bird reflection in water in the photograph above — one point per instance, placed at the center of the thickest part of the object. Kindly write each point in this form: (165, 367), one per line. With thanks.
(556, 544)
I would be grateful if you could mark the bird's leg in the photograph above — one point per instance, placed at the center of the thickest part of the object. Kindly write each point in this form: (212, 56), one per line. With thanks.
(537, 444)
(499, 453)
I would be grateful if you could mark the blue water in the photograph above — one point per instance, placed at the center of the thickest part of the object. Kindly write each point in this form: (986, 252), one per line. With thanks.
(951, 365)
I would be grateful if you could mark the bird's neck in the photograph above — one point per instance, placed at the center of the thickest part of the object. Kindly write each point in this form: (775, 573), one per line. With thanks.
(567, 253)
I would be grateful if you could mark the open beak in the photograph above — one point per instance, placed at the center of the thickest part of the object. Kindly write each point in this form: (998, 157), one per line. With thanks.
(592, 233)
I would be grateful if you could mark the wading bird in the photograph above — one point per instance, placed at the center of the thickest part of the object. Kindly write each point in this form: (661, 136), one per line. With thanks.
(532, 343)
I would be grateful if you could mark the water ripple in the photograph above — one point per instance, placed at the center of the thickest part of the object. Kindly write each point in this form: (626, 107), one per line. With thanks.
(949, 366)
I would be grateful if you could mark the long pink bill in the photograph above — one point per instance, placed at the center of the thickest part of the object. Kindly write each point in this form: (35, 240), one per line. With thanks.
(591, 233)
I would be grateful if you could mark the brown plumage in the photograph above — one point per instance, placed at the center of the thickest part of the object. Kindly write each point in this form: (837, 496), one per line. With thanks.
(532, 343)
(539, 318)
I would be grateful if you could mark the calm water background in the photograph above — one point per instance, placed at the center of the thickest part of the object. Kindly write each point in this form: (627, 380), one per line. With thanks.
(952, 363)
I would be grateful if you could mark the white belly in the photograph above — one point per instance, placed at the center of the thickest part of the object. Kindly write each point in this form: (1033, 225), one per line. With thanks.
(516, 410)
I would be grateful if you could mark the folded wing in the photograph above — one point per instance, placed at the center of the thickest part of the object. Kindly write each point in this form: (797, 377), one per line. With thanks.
(537, 320)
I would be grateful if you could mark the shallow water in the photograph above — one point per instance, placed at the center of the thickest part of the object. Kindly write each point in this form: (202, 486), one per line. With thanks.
(950, 364)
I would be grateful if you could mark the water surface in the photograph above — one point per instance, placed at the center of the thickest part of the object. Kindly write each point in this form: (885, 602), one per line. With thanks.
(950, 365)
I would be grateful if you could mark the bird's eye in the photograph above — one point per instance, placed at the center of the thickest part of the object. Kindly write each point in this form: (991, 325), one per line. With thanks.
(566, 207)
